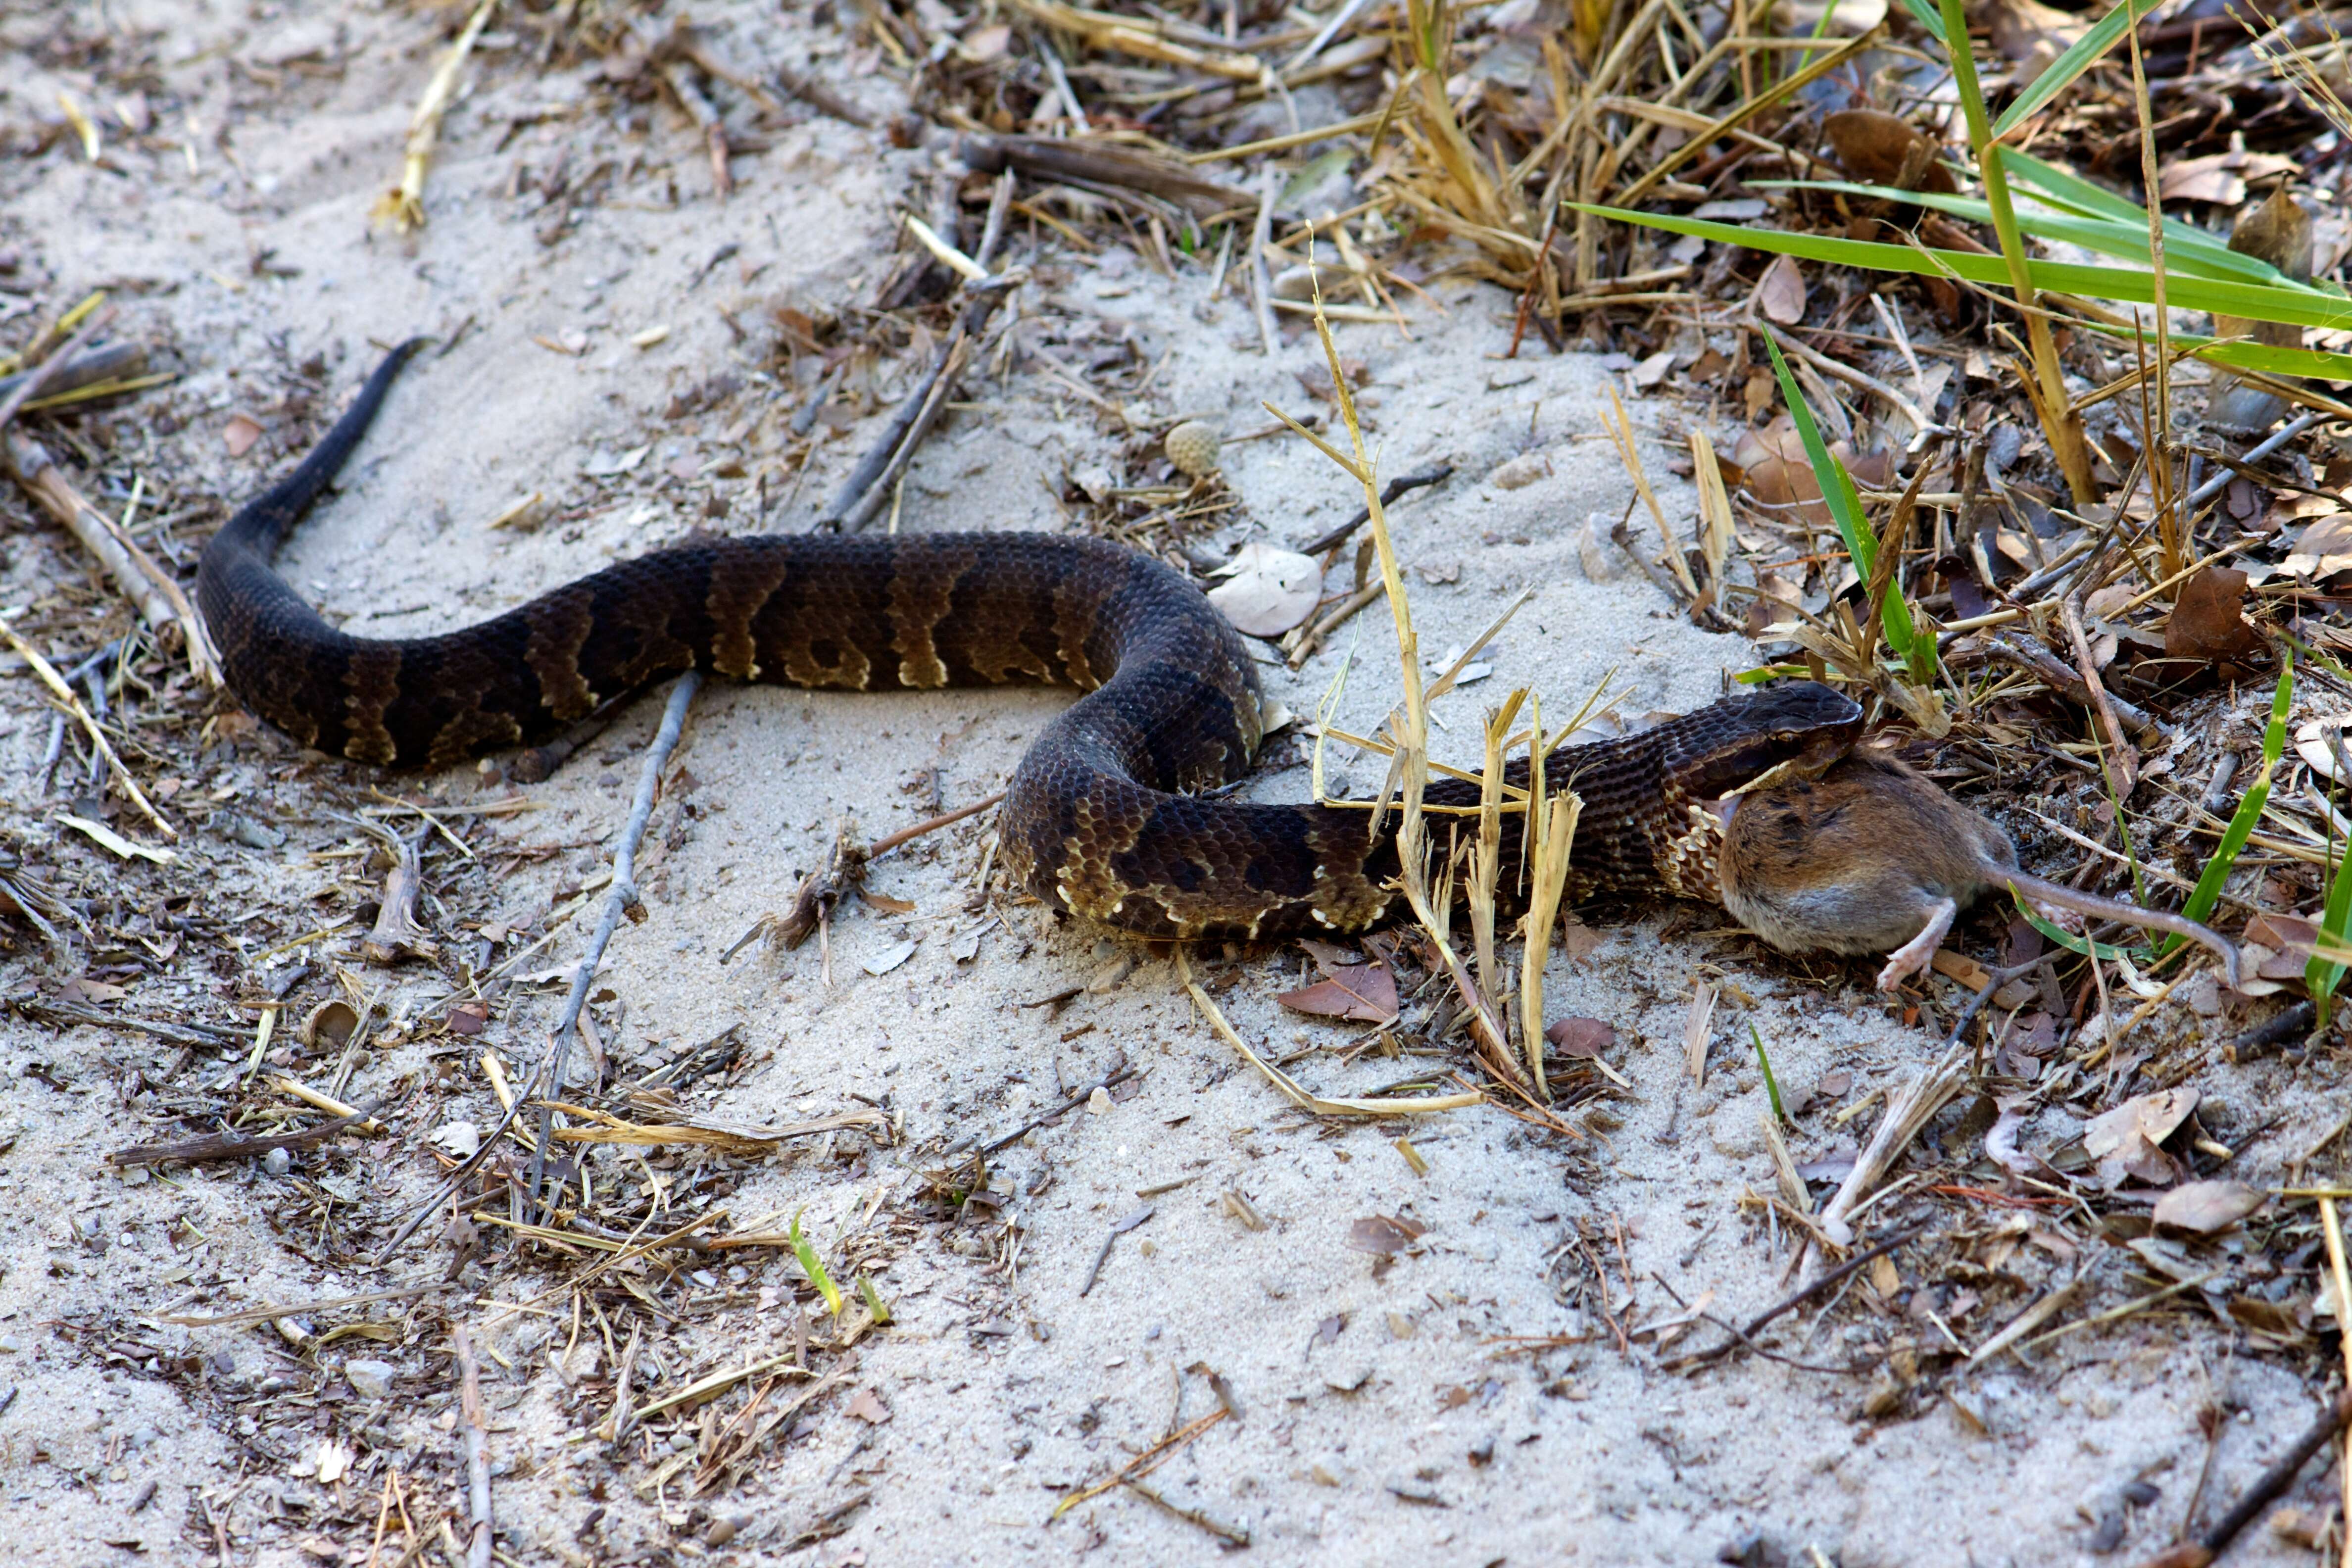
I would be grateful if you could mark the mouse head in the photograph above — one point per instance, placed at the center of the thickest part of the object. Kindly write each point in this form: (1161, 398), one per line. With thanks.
(1793, 730)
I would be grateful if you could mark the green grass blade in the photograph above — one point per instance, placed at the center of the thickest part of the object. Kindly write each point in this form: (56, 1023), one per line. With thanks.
(2203, 255)
(1845, 502)
(2320, 975)
(2062, 70)
(1764, 1065)
(2064, 188)
(1928, 18)
(2126, 285)
(814, 1267)
(2208, 891)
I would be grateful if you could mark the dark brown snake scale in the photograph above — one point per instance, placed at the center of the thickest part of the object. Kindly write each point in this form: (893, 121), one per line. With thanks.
(1103, 817)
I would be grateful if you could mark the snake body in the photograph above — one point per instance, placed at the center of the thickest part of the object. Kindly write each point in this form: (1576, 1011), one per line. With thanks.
(1108, 816)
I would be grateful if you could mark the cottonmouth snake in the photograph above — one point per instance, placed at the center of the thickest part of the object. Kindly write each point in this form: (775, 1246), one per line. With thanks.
(1106, 816)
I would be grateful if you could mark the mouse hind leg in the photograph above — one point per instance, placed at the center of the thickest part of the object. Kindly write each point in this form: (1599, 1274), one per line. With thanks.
(1915, 956)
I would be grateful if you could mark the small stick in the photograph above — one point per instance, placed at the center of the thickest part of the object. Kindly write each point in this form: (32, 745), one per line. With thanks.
(35, 381)
(478, 1451)
(398, 933)
(1146, 1462)
(1231, 1536)
(228, 1146)
(622, 899)
(818, 96)
(883, 846)
(1390, 494)
(70, 373)
(1787, 1304)
(65, 692)
(1261, 283)
(1118, 1230)
(698, 108)
(2126, 759)
(2265, 1491)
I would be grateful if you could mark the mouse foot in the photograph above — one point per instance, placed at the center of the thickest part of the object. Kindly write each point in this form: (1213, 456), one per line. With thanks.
(1915, 956)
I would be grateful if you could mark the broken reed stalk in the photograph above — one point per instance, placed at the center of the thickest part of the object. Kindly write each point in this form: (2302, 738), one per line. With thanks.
(402, 208)
(2046, 388)
(1551, 836)
(1908, 1110)
(1487, 853)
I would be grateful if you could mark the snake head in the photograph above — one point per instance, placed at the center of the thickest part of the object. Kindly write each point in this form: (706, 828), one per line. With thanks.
(1794, 730)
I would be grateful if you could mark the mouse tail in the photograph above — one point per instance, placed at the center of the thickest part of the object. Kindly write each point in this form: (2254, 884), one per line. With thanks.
(2027, 885)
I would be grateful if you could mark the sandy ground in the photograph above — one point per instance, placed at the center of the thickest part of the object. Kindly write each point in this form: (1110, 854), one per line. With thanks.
(1381, 1410)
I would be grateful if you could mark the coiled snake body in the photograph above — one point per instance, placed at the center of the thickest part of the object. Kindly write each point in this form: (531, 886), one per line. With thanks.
(1104, 817)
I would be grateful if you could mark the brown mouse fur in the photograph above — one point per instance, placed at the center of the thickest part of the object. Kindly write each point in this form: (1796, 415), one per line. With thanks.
(1873, 858)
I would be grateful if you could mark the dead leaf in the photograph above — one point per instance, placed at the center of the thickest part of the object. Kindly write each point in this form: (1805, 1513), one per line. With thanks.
(2207, 1207)
(2323, 548)
(2205, 623)
(1365, 992)
(1384, 1233)
(2318, 741)
(1781, 292)
(866, 1405)
(2219, 178)
(1268, 591)
(240, 432)
(2125, 1141)
(1584, 1038)
(1576, 939)
(469, 1018)
(2033, 35)
(1882, 149)
(91, 992)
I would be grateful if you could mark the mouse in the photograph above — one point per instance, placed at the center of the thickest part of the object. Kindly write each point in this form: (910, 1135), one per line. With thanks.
(1870, 857)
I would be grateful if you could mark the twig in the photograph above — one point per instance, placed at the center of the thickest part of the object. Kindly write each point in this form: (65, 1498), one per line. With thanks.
(478, 1451)
(35, 381)
(402, 208)
(2126, 758)
(621, 900)
(64, 691)
(2285, 1026)
(1146, 1462)
(63, 373)
(2265, 1491)
(228, 1146)
(1908, 1110)
(398, 933)
(888, 842)
(1231, 1535)
(1261, 283)
(1118, 1230)
(815, 94)
(863, 492)
(151, 589)
(1390, 494)
(1755, 1325)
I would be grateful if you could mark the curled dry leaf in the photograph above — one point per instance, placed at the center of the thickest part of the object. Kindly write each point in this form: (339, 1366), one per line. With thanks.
(2032, 35)
(2208, 1208)
(2205, 623)
(1386, 1235)
(1266, 591)
(1882, 149)
(2323, 549)
(1584, 1038)
(1781, 292)
(1365, 992)
(330, 1026)
(2319, 741)
(2125, 1141)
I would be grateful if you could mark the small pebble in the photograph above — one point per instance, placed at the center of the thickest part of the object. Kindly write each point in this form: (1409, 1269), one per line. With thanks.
(1099, 1102)
(277, 1162)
